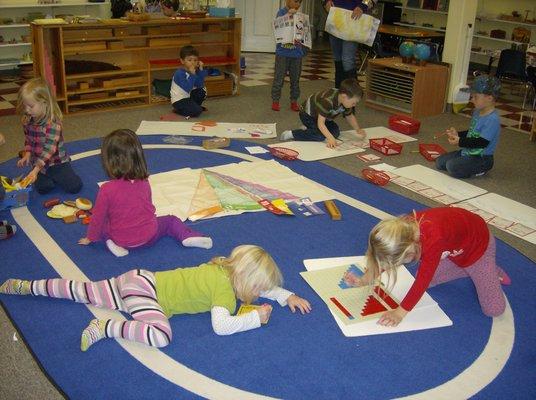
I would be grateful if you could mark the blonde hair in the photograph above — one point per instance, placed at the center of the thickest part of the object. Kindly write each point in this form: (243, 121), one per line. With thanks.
(38, 90)
(392, 242)
(251, 270)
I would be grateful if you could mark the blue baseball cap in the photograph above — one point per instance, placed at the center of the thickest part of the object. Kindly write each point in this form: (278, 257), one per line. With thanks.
(485, 84)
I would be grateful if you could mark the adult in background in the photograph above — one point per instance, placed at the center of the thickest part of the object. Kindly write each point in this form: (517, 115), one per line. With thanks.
(344, 51)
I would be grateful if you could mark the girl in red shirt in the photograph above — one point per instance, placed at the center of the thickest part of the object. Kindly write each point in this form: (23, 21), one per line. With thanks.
(449, 242)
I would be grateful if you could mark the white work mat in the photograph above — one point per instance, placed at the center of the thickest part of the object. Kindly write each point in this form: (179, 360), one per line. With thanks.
(505, 214)
(174, 191)
(425, 315)
(313, 151)
(221, 129)
(434, 184)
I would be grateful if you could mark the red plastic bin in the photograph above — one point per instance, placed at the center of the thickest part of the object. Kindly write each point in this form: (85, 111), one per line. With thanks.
(405, 125)
(385, 146)
(431, 151)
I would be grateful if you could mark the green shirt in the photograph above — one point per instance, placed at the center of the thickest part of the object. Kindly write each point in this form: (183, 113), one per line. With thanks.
(325, 103)
(194, 290)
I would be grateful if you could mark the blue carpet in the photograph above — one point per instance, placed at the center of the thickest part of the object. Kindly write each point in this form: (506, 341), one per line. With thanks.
(293, 356)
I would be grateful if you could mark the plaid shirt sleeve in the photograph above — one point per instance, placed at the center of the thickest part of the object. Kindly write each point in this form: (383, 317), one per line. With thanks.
(27, 140)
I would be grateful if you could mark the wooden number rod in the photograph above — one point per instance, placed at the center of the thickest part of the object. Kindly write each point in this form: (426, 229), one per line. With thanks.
(333, 211)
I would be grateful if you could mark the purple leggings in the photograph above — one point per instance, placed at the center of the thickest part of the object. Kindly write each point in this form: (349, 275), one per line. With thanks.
(485, 275)
(172, 226)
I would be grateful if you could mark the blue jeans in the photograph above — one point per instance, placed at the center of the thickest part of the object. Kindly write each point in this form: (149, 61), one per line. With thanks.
(345, 51)
(311, 133)
(191, 106)
(459, 166)
(61, 175)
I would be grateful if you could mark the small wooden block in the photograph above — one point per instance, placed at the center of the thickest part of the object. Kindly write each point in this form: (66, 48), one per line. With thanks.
(216, 143)
(86, 220)
(83, 85)
(333, 210)
(70, 219)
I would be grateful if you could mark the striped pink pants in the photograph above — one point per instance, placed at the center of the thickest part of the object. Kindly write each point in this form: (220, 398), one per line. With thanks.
(134, 292)
(485, 275)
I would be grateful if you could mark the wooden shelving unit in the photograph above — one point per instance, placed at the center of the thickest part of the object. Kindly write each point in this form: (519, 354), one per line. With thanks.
(140, 52)
(418, 91)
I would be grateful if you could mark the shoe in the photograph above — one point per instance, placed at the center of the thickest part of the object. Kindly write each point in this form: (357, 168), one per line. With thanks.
(275, 106)
(480, 174)
(294, 106)
(287, 135)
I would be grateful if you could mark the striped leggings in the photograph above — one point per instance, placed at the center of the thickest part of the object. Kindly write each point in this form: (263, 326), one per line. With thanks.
(134, 292)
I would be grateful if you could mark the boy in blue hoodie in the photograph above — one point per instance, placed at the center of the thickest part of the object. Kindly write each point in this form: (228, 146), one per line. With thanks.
(188, 85)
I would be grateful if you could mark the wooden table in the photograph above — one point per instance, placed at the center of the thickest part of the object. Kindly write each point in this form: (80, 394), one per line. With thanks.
(407, 32)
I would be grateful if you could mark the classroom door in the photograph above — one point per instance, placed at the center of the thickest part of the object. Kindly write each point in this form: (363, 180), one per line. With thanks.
(257, 17)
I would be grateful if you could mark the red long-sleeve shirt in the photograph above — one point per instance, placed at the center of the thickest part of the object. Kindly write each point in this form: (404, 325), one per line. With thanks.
(449, 232)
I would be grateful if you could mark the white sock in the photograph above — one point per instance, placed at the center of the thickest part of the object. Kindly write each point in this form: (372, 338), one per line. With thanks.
(287, 135)
(116, 250)
(198, 241)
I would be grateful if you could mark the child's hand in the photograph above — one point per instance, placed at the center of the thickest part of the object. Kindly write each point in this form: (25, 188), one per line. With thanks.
(331, 142)
(393, 317)
(294, 302)
(357, 13)
(2, 139)
(353, 280)
(264, 312)
(361, 134)
(31, 177)
(200, 65)
(84, 241)
(25, 160)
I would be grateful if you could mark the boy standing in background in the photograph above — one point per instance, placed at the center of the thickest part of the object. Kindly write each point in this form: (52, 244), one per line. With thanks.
(288, 57)
(188, 85)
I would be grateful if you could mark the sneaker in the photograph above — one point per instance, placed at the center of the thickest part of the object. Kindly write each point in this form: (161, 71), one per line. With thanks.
(287, 135)
(294, 106)
(275, 106)
(481, 173)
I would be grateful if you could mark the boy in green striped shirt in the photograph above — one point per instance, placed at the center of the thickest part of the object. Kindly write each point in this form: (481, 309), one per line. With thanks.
(320, 109)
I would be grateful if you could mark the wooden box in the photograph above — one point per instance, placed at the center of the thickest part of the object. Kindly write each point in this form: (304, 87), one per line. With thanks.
(110, 83)
(95, 95)
(85, 46)
(85, 34)
(121, 32)
(127, 93)
(418, 91)
(221, 87)
(216, 143)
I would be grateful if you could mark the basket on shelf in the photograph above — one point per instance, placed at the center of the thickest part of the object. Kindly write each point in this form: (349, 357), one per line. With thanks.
(385, 146)
(284, 153)
(431, 151)
(379, 178)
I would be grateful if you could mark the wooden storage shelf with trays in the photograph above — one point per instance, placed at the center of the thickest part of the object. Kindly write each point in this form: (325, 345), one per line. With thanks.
(418, 91)
(143, 50)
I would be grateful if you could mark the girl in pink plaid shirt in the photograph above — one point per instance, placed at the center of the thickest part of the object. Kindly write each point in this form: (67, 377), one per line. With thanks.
(44, 148)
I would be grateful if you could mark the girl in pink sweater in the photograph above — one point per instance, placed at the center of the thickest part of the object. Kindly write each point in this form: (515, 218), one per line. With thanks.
(124, 215)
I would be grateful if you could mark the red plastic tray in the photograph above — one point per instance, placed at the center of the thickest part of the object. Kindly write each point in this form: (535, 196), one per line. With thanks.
(385, 146)
(284, 153)
(377, 177)
(431, 151)
(404, 124)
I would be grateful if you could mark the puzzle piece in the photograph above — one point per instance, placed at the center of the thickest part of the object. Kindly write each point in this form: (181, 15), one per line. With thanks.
(354, 269)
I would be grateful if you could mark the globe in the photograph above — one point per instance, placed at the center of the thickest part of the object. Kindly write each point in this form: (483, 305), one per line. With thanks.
(406, 49)
(421, 52)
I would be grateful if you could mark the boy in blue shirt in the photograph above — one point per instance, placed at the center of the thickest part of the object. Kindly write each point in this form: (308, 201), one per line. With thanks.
(288, 57)
(188, 85)
(478, 143)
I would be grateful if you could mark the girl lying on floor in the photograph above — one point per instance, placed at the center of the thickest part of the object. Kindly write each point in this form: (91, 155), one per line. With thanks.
(151, 298)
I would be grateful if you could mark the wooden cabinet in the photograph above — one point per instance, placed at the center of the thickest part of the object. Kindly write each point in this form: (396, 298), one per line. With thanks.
(15, 17)
(113, 64)
(418, 91)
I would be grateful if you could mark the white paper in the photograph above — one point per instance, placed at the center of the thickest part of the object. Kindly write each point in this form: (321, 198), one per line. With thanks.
(340, 24)
(383, 167)
(425, 315)
(256, 150)
(291, 29)
(221, 129)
